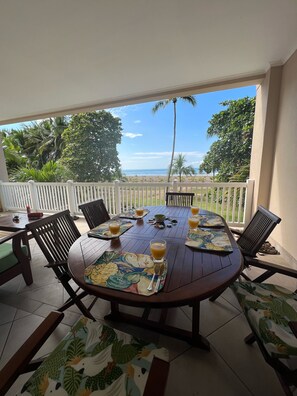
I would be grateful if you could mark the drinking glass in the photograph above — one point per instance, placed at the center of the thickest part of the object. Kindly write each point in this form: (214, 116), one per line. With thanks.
(193, 222)
(158, 250)
(139, 211)
(114, 227)
(194, 210)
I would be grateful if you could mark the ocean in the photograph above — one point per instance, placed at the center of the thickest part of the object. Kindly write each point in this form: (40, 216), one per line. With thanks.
(149, 172)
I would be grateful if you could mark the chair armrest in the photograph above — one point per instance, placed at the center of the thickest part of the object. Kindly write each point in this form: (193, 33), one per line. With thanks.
(57, 264)
(18, 234)
(236, 232)
(270, 266)
(17, 238)
(17, 364)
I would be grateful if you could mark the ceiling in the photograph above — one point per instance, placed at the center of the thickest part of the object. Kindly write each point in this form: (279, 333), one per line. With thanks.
(62, 55)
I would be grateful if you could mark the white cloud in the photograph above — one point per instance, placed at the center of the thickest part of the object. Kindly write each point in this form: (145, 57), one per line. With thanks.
(137, 121)
(131, 135)
(118, 111)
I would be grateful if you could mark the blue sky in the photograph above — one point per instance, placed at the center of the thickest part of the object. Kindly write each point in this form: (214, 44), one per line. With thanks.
(147, 137)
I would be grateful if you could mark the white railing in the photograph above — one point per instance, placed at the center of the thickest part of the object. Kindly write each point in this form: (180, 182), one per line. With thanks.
(233, 201)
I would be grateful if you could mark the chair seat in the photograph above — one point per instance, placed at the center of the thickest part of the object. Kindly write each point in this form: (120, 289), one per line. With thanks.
(95, 359)
(269, 310)
(7, 257)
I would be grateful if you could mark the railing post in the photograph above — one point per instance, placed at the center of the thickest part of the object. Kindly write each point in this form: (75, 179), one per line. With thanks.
(71, 197)
(174, 185)
(117, 195)
(2, 200)
(248, 201)
(34, 195)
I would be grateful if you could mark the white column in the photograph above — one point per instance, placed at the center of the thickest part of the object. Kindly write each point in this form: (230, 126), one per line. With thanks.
(117, 194)
(248, 201)
(71, 197)
(34, 195)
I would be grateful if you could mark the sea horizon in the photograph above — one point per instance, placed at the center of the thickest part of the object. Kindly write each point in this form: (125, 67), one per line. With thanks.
(152, 172)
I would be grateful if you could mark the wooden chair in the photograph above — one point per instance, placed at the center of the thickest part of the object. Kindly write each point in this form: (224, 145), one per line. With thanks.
(55, 235)
(92, 357)
(95, 213)
(179, 199)
(250, 241)
(14, 257)
(271, 312)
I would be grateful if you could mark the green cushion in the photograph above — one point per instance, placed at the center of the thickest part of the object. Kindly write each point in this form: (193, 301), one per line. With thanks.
(94, 357)
(7, 258)
(269, 309)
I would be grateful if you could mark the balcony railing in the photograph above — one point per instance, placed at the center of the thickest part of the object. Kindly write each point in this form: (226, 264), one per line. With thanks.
(233, 201)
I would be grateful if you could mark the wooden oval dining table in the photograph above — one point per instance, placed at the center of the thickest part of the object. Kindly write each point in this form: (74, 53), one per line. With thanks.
(192, 274)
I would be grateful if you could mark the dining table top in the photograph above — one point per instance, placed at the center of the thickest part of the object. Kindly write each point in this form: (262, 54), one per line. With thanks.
(192, 275)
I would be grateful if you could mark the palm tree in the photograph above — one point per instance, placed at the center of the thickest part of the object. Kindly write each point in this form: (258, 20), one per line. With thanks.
(179, 167)
(161, 105)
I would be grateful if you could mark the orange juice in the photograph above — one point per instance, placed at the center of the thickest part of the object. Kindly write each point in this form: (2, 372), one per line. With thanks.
(158, 249)
(114, 227)
(194, 210)
(139, 211)
(193, 222)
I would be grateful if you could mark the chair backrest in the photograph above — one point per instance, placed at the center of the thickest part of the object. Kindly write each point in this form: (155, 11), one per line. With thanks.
(95, 213)
(179, 199)
(257, 231)
(55, 235)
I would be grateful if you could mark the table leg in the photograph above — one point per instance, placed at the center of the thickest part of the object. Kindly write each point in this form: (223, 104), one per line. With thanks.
(197, 339)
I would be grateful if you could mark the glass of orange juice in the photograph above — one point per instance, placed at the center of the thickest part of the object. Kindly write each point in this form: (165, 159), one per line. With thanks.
(194, 210)
(158, 250)
(114, 227)
(139, 211)
(193, 222)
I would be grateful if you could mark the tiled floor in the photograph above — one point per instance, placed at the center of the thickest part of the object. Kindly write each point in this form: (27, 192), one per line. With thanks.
(230, 368)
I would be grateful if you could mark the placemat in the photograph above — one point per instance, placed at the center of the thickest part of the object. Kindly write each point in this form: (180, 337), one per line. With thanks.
(209, 239)
(131, 214)
(210, 221)
(102, 231)
(129, 272)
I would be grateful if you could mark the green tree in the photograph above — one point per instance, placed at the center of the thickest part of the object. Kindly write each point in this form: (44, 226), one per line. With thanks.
(179, 167)
(50, 172)
(12, 142)
(230, 154)
(90, 151)
(161, 105)
(44, 140)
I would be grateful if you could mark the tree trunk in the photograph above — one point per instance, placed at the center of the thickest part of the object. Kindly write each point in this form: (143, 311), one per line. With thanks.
(174, 136)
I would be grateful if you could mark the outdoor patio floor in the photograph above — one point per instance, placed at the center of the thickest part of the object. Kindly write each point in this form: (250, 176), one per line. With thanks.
(230, 368)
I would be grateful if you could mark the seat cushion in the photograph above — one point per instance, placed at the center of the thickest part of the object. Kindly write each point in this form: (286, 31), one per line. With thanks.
(7, 258)
(94, 359)
(269, 309)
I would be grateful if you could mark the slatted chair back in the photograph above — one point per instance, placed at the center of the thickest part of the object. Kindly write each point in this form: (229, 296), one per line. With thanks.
(55, 235)
(179, 199)
(257, 231)
(94, 212)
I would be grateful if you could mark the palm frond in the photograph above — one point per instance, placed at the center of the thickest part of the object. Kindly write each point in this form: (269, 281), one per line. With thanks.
(160, 105)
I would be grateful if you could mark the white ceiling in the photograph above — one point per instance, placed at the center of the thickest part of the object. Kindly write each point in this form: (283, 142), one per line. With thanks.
(57, 55)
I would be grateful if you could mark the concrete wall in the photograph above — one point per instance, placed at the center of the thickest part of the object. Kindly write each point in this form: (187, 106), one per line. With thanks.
(274, 153)
(283, 196)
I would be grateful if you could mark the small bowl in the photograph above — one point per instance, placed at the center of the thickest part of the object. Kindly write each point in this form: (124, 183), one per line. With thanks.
(159, 218)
